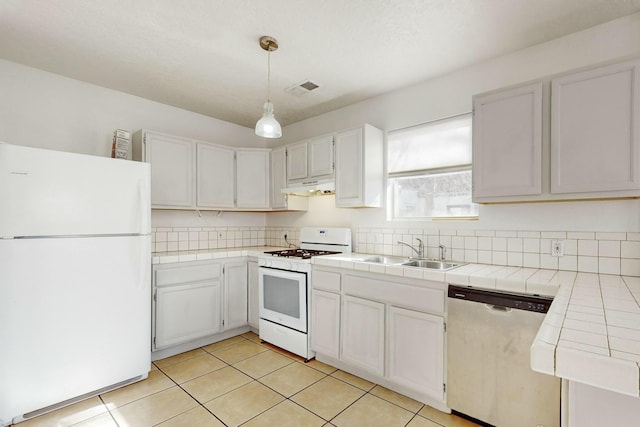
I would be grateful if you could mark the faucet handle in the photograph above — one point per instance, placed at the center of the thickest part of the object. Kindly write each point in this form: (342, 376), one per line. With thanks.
(420, 247)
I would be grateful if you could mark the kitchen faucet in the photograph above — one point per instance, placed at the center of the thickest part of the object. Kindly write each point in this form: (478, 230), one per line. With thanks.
(419, 251)
(443, 251)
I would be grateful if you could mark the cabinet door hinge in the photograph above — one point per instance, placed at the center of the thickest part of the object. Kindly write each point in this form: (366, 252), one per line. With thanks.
(444, 388)
(154, 342)
(155, 296)
(445, 326)
(223, 323)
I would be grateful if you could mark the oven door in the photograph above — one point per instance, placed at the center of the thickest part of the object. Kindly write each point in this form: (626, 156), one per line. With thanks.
(283, 297)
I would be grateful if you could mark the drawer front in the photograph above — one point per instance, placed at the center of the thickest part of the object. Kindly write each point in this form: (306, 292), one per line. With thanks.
(173, 276)
(418, 298)
(326, 280)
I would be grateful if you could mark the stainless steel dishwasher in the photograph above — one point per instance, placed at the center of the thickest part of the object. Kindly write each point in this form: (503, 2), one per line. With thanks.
(489, 377)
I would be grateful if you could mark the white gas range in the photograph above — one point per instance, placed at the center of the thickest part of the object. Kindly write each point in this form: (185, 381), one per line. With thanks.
(285, 287)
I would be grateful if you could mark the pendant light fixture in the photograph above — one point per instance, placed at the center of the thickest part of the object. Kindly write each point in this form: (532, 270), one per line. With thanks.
(268, 126)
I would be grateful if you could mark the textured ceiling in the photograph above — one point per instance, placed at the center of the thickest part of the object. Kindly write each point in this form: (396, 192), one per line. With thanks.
(203, 55)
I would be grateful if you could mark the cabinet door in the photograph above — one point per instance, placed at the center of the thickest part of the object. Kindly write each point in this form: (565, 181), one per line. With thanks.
(278, 178)
(325, 323)
(362, 334)
(349, 168)
(253, 301)
(172, 162)
(215, 183)
(186, 312)
(595, 140)
(297, 161)
(507, 143)
(416, 351)
(235, 294)
(252, 179)
(321, 156)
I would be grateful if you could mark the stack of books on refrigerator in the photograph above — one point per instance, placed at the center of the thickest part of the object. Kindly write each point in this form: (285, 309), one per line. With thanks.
(121, 144)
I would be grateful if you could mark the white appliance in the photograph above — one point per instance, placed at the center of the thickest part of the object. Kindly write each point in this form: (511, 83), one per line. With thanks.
(74, 278)
(285, 287)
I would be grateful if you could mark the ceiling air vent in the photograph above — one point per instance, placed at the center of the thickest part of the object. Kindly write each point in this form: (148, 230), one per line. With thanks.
(302, 88)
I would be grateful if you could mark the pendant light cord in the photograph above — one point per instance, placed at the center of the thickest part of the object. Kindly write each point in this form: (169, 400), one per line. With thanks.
(269, 73)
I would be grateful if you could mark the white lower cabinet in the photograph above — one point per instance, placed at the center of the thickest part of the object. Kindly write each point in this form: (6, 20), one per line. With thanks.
(362, 334)
(235, 295)
(387, 329)
(188, 304)
(198, 300)
(325, 323)
(253, 299)
(416, 351)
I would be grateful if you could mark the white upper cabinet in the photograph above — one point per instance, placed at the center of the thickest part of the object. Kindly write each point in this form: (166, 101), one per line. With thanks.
(320, 156)
(568, 137)
(297, 161)
(359, 173)
(190, 174)
(279, 200)
(507, 143)
(215, 176)
(595, 140)
(172, 162)
(310, 159)
(278, 178)
(252, 179)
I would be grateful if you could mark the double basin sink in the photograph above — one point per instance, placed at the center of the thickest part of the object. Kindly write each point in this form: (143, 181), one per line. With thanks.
(411, 262)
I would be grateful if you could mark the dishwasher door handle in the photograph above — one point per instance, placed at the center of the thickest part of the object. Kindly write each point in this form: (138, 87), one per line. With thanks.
(497, 308)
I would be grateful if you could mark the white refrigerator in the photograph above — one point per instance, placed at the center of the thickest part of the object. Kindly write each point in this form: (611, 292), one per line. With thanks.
(75, 297)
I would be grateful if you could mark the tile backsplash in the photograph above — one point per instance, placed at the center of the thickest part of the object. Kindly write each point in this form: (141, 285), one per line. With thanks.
(171, 239)
(592, 252)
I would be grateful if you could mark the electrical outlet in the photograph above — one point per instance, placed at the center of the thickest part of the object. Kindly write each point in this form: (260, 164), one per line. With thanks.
(557, 248)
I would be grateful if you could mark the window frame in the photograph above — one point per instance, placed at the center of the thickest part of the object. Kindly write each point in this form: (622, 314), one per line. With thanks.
(392, 177)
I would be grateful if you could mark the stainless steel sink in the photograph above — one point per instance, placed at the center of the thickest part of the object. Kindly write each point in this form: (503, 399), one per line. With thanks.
(431, 264)
(386, 260)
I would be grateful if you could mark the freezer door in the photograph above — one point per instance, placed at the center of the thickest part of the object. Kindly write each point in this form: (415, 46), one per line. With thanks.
(53, 193)
(76, 317)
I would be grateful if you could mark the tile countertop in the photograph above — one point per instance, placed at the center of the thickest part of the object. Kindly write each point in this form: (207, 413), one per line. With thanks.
(591, 333)
(205, 254)
(515, 279)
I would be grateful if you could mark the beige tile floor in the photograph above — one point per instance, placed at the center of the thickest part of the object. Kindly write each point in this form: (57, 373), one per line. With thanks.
(242, 382)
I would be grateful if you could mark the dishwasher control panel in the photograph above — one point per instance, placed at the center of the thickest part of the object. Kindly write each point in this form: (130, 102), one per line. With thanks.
(512, 300)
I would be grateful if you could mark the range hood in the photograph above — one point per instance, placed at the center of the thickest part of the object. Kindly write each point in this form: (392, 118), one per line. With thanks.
(311, 188)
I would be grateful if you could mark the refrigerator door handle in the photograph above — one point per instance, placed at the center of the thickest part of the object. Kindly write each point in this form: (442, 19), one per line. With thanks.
(144, 264)
(145, 209)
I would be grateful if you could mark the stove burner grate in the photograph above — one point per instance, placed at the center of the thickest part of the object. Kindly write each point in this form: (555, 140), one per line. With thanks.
(300, 253)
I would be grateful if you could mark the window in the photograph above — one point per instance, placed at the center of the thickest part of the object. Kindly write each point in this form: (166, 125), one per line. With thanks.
(429, 171)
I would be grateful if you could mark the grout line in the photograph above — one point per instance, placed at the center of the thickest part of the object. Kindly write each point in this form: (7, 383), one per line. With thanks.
(257, 380)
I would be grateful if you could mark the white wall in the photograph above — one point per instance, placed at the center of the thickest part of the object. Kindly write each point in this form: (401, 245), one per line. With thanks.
(46, 110)
(450, 95)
